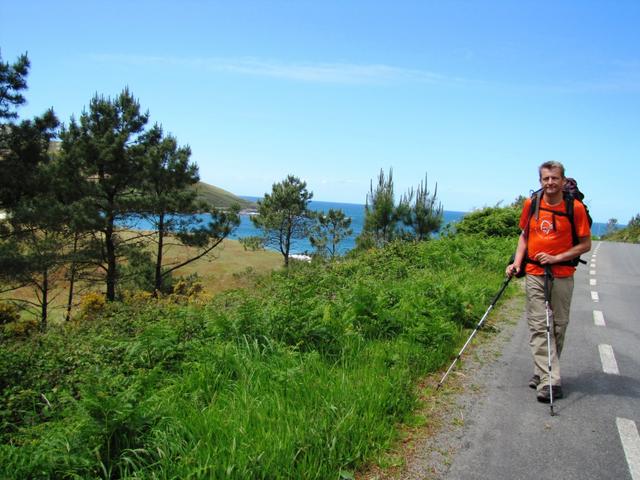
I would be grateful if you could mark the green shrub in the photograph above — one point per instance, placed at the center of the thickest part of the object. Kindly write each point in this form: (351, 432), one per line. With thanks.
(21, 328)
(138, 272)
(491, 222)
(9, 313)
(252, 243)
(304, 377)
(91, 306)
(628, 234)
(187, 289)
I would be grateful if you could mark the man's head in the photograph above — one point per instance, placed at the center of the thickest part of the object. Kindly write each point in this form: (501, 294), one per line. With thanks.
(551, 165)
(552, 178)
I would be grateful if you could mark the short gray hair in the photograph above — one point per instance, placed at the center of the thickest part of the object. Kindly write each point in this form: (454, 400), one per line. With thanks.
(549, 165)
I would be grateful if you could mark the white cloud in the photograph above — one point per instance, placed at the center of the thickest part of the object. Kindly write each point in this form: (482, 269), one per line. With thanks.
(336, 73)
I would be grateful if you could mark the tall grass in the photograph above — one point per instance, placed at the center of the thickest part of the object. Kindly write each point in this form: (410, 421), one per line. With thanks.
(305, 377)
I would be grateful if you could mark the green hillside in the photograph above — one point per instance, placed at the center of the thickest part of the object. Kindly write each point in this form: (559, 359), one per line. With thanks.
(220, 198)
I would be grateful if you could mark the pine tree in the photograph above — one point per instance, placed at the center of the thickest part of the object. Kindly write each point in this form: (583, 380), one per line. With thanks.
(167, 199)
(381, 215)
(172, 208)
(106, 149)
(35, 229)
(423, 216)
(329, 230)
(283, 215)
(13, 79)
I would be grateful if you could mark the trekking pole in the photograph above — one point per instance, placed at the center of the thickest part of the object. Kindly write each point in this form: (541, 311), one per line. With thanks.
(493, 302)
(548, 278)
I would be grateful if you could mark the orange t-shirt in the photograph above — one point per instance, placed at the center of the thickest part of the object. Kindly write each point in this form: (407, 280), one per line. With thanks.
(551, 233)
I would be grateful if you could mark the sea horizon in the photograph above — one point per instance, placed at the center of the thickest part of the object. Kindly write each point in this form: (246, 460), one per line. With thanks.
(356, 212)
(352, 210)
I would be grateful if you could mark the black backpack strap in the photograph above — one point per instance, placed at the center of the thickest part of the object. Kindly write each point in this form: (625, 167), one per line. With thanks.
(534, 209)
(536, 200)
(568, 206)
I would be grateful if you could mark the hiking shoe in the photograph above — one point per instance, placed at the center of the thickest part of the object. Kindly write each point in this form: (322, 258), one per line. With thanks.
(543, 394)
(534, 382)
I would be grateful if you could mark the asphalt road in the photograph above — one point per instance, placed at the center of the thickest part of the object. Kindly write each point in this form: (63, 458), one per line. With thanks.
(509, 435)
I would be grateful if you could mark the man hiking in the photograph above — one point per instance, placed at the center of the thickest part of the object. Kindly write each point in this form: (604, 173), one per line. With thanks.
(552, 240)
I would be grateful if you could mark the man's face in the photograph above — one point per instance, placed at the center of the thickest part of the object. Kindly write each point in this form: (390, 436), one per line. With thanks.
(551, 180)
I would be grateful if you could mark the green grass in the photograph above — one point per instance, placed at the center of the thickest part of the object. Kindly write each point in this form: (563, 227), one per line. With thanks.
(229, 267)
(629, 234)
(307, 375)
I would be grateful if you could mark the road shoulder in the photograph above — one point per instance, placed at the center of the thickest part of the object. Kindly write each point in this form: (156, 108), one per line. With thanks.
(427, 448)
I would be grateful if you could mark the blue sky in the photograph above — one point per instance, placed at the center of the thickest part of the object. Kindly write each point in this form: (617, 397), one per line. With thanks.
(476, 94)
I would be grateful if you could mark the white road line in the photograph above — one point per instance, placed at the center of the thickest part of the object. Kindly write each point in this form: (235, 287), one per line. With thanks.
(592, 272)
(598, 318)
(592, 281)
(595, 297)
(631, 444)
(608, 360)
(593, 265)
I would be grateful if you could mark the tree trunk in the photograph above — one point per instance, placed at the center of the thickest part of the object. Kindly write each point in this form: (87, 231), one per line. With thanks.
(286, 247)
(111, 261)
(72, 277)
(45, 300)
(158, 279)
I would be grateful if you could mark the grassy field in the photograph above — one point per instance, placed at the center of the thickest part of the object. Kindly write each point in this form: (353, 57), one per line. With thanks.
(229, 266)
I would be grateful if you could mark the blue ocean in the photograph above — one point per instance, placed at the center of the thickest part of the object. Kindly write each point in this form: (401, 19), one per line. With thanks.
(351, 210)
(356, 213)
